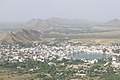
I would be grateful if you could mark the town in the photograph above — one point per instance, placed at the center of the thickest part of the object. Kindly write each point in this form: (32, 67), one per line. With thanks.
(41, 51)
(57, 57)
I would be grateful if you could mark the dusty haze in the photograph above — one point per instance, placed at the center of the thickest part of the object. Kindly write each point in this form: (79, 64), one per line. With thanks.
(23, 10)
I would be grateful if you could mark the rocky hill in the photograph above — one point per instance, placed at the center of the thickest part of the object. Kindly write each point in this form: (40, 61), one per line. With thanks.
(21, 36)
(39, 24)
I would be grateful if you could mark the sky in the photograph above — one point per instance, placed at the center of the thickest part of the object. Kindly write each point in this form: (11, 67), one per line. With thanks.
(23, 10)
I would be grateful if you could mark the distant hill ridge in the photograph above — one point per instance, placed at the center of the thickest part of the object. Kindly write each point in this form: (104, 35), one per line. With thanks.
(71, 21)
(36, 29)
(48, 24)
(52, 23)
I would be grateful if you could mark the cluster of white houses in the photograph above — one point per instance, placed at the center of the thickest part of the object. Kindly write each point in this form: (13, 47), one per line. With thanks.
(40, 52)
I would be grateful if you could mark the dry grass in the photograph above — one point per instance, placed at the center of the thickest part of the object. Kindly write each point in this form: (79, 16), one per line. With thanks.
(8, 75)
(94, 41)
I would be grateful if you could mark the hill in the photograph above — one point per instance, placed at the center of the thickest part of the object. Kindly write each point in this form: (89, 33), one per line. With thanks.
(21, 36)
(39, 24)
(114, 22)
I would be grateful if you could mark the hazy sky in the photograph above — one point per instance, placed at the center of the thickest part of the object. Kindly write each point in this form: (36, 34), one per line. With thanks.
(23, 10)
